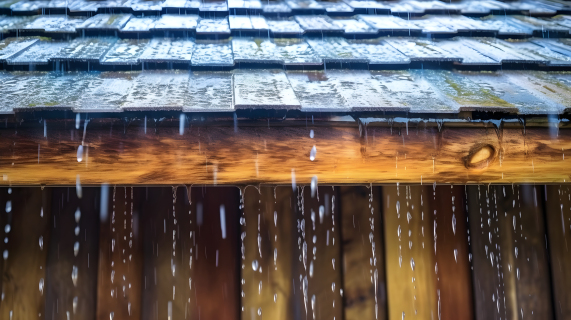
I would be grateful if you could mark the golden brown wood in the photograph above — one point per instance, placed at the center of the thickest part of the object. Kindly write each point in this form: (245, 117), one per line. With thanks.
(511, 276)
(558, 212)
(25, 263)
(119, 280)
(218, 155)
(410, 261)
(74, 221)
(268, 216)
(318, 280)
(364, 286)
(453, 279)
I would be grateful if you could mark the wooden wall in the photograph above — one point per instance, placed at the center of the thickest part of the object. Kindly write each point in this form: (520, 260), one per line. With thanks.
(352, 252)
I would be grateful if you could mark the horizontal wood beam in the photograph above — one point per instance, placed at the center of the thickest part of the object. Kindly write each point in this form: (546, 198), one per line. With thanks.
(132, 155)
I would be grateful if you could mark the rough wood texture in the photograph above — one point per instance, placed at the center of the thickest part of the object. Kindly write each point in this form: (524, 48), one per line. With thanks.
(74, 221)
(511, 276)
(190, 270)
(318, 279)
(410, 261)
(119, 281)
(269, 242)
(123, 153)
(558, 212)
(454, 279)
(25, 263)
(364, 285)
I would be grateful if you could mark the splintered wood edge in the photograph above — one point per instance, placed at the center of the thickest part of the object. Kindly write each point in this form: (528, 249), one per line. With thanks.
(223, 155)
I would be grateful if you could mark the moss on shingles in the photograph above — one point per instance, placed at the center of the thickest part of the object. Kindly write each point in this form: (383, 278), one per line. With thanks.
(481, 97)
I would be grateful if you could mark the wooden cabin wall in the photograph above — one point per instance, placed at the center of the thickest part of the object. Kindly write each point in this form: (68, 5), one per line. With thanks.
(558, 212)
(28, 219)
(75, 221)
(364, 282)
(509, 255)
(446, 261)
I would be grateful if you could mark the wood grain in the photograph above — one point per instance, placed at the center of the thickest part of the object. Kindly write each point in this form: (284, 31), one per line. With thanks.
(511, 275)
(119, 280)
(122, 153)
(64, 299)
(558, 217)
(410, 261)
(364, 284)
(190, 271)
(25, 267)
(268, 216)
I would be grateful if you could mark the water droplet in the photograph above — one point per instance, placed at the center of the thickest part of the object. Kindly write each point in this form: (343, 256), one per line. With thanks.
(74, 273)
(255, 265)
(76, 248)
(41, 240)
(5, 254)
(313, 186)
(74, 305)
(311, 269)
(111, 315)
(77, 215)
(259, 311)
(333, 286)
(454, 223)
(412, 264)
(311, 134)
(7, 228)
(80, 153)
(41, 285)
(456, 255)
(76, 231)
(516, 252)
(8, 206)
(313, 153)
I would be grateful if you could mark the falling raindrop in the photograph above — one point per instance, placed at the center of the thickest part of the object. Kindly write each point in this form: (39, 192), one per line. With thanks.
(74, 305)
(313, 186)
(7, 228)
(412, 263)
(454, 223)
(8, 206)
(74, 273)
(41, 240)
(79, 153)
(77, 215)
(5, 254)
(255, 265)
(312, 153)
(41, 286)
(76, 248)
(311, 269)
(77, 230)
(311, 134)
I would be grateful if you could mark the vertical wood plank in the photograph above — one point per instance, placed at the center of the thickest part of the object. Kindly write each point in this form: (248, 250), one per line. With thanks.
(318, 277)
(452, 264)
(27, 213)
(558, 211)
(71, 282)
(218, 280)
(268, 253)
(410, 261)
(511, 278)
(119, 282)
(364, 287)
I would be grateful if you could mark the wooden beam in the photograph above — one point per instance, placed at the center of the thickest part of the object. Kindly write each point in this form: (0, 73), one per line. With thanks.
(558, 212)
(24, 256)
(121, 154)
(508, 243)
(73, 248)
(364, 284)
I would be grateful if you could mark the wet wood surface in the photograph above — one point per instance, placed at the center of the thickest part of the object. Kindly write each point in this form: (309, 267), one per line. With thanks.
(120, 278)
(130, 153)
(511, 275)
(191, 255)
(364, 284)
(73, 248)
(268, 256)
(410, 261)
(558, 217)
(318, 259)
(447, 213)
(24, 261)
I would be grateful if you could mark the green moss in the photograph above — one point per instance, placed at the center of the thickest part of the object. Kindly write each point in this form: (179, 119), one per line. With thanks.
(480, 97)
